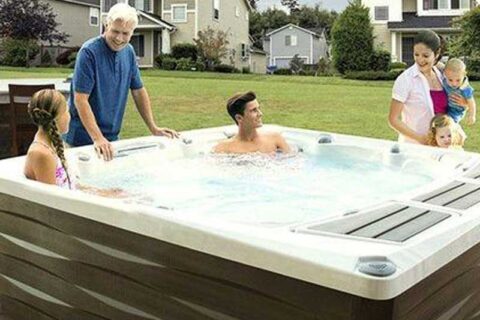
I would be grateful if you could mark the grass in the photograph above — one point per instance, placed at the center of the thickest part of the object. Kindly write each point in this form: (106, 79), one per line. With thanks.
(190, 100)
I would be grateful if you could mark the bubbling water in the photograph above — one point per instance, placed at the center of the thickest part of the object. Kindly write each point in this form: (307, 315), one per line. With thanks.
(267, 190)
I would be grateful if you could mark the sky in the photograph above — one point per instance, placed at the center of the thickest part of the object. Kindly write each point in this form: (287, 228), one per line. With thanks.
(337, 5)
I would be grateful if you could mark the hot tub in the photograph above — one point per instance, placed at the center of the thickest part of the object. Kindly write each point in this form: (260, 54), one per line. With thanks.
(346, 228)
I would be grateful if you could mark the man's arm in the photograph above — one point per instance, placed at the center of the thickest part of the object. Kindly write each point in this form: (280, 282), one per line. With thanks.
(103, 147)
(282, 144)
(142, 102)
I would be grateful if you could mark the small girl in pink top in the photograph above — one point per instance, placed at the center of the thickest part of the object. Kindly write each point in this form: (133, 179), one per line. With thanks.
(444, 133)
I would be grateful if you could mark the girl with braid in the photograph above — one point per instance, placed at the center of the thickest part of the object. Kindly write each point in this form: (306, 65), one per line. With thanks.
(45, 158)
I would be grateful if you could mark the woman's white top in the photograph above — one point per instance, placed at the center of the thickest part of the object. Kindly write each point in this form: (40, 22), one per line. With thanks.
(411, 88)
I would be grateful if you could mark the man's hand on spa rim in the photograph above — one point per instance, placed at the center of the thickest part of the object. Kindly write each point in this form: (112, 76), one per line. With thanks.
(103, 148)
(156, 131)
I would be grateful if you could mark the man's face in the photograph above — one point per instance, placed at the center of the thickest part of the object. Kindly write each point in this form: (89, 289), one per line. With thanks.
(118, 34)
(252, 116)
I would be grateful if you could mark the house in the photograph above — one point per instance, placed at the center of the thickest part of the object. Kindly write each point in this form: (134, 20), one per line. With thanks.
(165, 23)
(396, 22)
(284, 43)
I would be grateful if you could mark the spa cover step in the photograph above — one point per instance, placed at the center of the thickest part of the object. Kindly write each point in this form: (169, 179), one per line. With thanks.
(457, 195)
(394, 222)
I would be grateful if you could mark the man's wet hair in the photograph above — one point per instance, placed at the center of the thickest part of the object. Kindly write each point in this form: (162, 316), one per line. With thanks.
(237, 103)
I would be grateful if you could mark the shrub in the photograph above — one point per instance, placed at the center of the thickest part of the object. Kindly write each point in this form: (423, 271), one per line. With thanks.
(184, 64)
(246, 70)
(62, 58)
(168, 63)
(398, 65)
(474, 76)
(198, 66)
(46, 59)
(72, 58)
(352, 38)
(324, 67)
(283, 71)
(473, 64)
(372, 75)
(296, 64)
(15, 52)
(185, 50)
(380, 60)
(224, 68)
(159, 58)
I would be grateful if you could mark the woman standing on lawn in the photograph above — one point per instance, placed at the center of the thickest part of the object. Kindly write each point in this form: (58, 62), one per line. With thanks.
(418, 93)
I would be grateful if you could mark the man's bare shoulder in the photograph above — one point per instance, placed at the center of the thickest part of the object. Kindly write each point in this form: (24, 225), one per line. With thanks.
(223, 146)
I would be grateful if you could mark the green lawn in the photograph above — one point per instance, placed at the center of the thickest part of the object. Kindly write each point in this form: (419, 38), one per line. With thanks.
(189, 100)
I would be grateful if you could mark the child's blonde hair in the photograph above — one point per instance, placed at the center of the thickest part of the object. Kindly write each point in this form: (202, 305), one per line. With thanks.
(455, 65)
(44, 108)
(442, 121)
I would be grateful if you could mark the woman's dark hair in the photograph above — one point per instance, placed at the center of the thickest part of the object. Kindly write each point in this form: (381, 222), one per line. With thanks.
(236, 104)
(433, 41)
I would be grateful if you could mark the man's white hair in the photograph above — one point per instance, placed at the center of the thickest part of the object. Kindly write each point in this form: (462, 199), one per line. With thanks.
(122, 12)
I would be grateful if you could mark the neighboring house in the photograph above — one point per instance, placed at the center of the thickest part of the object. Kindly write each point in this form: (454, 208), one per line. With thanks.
(163, 24)
(396, 22)
(284, 43)
(80, 19)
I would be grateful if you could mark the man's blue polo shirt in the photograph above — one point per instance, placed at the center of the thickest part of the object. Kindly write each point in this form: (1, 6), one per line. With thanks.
(107, 76)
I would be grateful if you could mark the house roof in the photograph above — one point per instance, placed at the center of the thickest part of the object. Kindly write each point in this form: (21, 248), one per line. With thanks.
(90, 3)
(412, 21)
(157, 19)
(294, 26)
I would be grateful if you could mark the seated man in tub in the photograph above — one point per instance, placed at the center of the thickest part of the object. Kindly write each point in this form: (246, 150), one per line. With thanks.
(245, 111)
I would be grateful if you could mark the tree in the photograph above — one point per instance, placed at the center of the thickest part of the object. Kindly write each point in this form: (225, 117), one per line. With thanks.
(253, 3)
(292, 5)
(467, 43)
(29, 21)
(212, 46)
(314, 18)
(296, 64)
(306, 17)
(352, 39)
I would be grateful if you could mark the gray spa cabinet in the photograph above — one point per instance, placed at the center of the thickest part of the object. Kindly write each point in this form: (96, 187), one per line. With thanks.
(69, 255)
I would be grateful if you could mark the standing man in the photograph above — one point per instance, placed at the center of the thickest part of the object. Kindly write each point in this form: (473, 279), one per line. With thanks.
(106, 68)
(245, 111)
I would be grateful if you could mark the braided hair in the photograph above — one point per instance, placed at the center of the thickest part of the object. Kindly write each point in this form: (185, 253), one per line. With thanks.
(44, 109)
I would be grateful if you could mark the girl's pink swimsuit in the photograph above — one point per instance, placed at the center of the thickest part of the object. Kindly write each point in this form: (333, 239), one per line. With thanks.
(61, 178)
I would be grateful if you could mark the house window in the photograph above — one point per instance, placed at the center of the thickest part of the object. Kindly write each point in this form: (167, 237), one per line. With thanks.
(460, 4)
(290, 40)
(237, 12)
(143, 5)
(179, 12)
(138, 43)
(445, 4)
(244, 50)
(216, 9)
(381, 13)
(94, 14)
